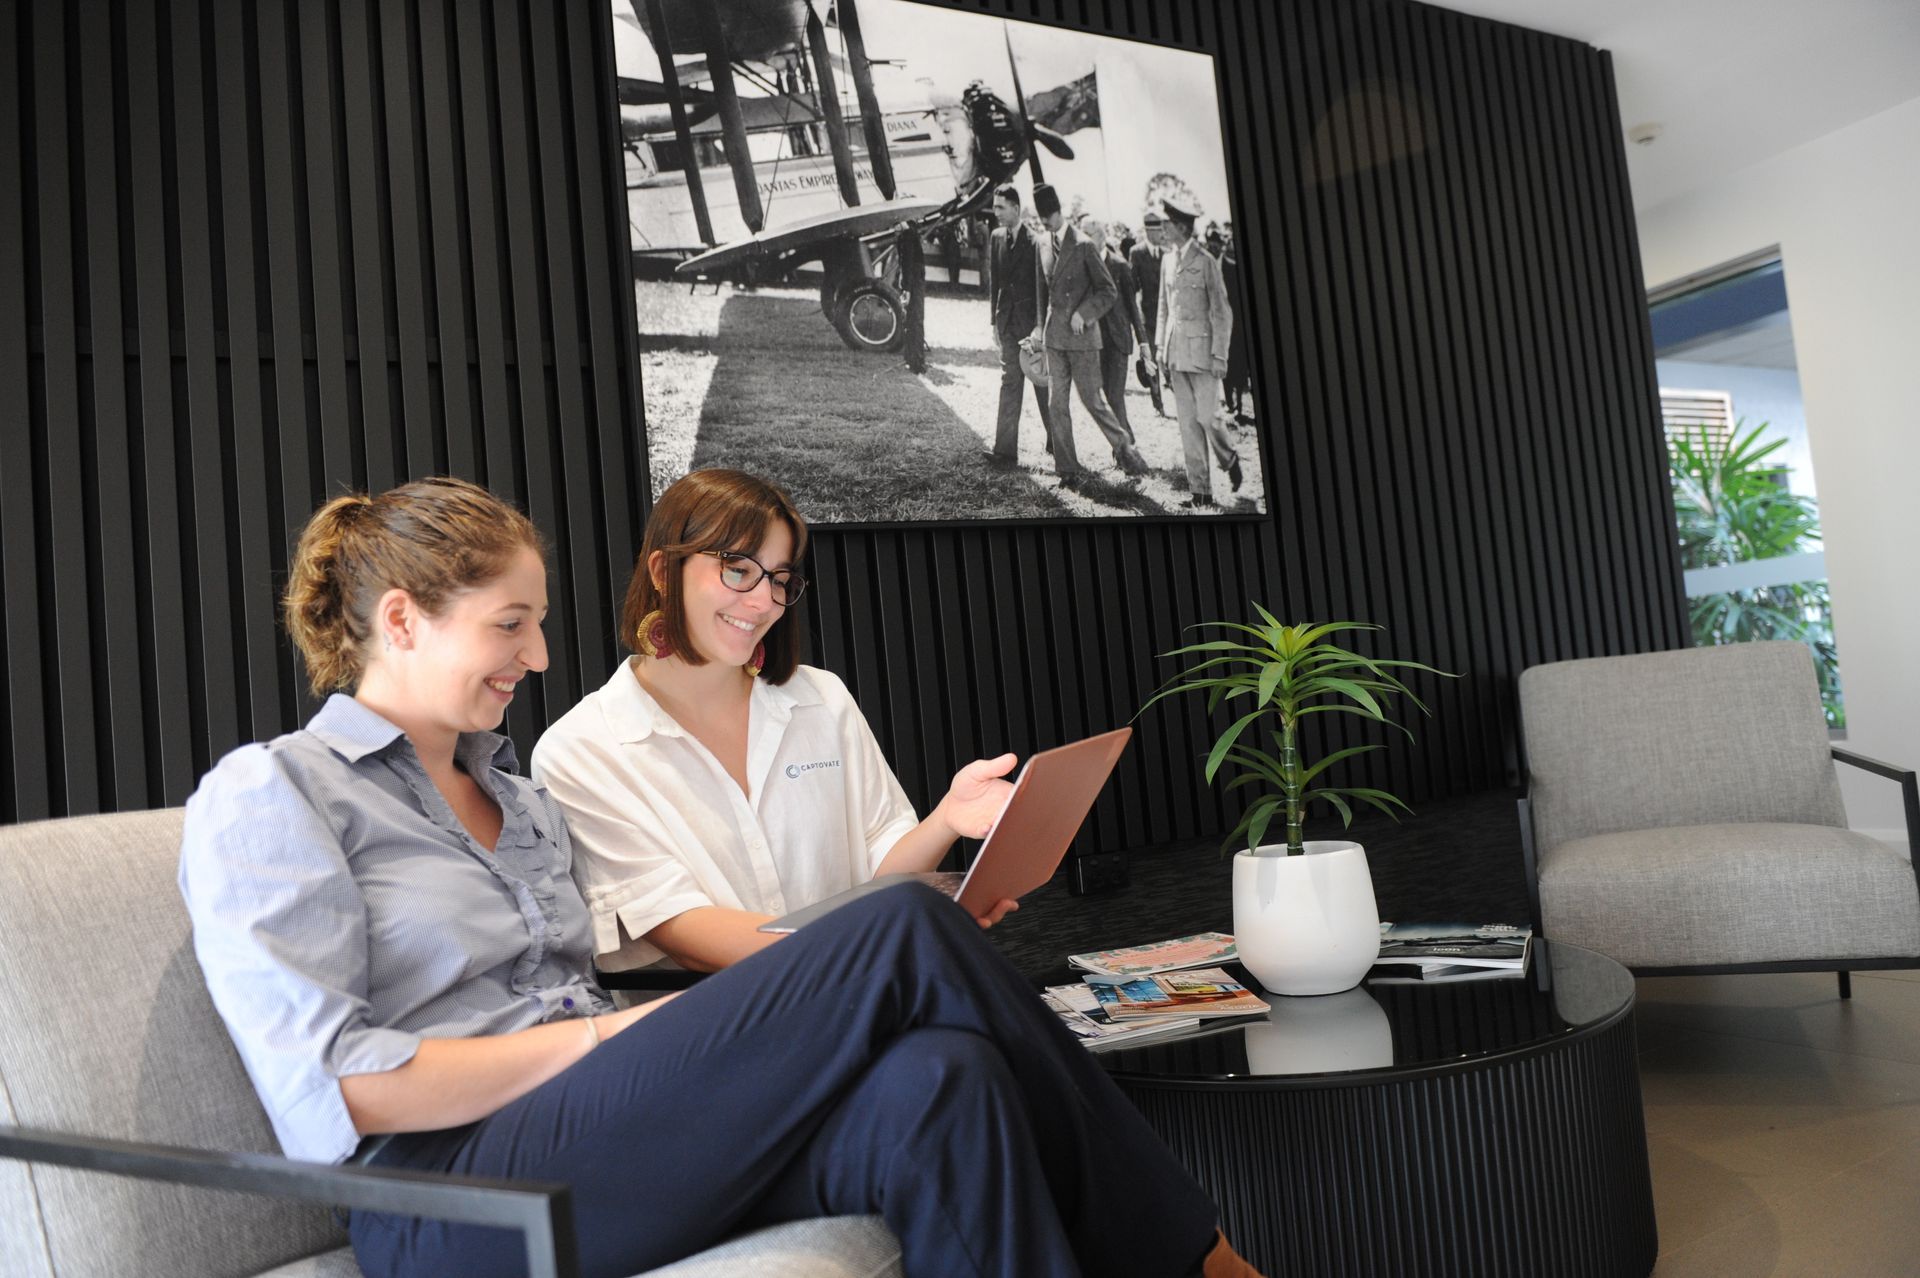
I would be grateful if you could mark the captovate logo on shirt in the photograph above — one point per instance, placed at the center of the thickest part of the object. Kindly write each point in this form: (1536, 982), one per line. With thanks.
(797, 770)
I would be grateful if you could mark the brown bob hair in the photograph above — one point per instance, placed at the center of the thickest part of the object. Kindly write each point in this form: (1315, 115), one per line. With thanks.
(433, 538)
(702, 511)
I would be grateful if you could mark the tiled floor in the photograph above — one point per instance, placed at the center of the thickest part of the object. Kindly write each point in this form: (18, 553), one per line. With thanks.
(1783, 1124)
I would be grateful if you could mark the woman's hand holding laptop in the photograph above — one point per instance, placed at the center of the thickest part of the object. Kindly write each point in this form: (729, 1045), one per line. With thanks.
(978, 796)
(1024, 845)
(972, 807)
(970, 810)
(1001, 909)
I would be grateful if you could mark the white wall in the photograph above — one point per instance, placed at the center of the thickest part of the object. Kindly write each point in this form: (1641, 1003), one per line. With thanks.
(1845, 211)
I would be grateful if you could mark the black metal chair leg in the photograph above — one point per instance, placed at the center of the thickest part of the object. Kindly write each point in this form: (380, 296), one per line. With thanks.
(1846, 984)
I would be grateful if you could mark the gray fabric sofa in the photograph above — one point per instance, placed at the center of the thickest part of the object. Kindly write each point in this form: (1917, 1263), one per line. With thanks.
(1683, 814)
(106, 1031)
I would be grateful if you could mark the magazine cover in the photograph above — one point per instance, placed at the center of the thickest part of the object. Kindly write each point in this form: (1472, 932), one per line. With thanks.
(1433, 972)
(1206, 949)
(1206, 993)
(1488, 944)
(1080, 1011)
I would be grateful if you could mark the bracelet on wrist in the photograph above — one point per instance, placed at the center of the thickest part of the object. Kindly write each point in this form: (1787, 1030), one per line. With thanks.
(593, 1032)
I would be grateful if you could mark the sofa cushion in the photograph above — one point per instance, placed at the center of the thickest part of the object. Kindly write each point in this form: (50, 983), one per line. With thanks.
(843, 1247)
(106, 1029)
(1698, 895)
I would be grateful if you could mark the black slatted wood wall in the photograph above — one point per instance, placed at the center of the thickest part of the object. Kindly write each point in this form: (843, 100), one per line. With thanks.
(263, 253)
(255, 253)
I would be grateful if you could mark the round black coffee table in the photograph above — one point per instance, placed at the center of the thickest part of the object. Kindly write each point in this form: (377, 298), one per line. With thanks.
(1485, 1127)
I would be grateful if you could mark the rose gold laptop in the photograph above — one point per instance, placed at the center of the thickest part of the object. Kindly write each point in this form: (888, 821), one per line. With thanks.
(1050, 801)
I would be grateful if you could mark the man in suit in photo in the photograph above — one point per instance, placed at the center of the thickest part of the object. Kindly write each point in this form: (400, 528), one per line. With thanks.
(1120, 327)
(1144, 262)
(1013, 273)
(1078, 291)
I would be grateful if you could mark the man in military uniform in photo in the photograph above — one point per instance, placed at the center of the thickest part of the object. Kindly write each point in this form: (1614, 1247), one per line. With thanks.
(1077, 291)
(1013, 272)
(1194, 336)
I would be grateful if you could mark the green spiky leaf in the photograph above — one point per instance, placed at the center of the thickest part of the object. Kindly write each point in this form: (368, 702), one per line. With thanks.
(1289, 672)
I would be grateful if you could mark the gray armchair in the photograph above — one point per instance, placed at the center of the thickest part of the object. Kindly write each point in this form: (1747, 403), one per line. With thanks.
(1681, 813)
(122, 1101)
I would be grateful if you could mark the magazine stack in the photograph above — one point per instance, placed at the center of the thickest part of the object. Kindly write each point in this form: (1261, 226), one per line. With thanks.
(1145, 991)
(1434, 952)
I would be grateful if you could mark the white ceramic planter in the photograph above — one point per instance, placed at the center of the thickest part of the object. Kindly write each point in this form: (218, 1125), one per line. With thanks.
(1306, 924)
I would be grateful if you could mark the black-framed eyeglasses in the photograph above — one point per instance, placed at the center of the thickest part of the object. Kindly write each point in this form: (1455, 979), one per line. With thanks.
(742, 572)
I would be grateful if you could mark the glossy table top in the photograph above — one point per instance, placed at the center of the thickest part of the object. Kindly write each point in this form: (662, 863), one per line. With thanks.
(1391, 1029)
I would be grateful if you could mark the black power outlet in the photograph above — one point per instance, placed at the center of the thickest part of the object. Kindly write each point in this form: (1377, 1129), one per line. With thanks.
(1097, 872)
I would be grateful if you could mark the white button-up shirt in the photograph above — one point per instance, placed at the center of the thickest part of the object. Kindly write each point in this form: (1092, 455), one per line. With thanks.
(659, 828)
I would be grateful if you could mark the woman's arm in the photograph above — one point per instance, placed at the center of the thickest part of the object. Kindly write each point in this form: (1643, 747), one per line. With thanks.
(972, 804)
(454, 1081)
(712, 937)
(920, 849)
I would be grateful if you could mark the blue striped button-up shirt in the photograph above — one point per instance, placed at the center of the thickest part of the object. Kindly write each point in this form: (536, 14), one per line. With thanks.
(341, 913)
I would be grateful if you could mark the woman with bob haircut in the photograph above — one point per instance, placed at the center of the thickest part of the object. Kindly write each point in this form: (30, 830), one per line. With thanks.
(384, 916)
(715, 783)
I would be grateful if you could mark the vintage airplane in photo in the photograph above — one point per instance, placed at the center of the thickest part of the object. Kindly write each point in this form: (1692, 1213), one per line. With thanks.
(954, 149)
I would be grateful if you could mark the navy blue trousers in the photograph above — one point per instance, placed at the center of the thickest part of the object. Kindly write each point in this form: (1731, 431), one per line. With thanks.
(886, 1059)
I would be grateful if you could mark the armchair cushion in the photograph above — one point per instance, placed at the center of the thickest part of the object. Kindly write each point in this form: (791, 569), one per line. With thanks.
(1726, 734)
(1703, 895)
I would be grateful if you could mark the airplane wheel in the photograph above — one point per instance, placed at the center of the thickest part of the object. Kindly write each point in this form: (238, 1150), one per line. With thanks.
(870, 317)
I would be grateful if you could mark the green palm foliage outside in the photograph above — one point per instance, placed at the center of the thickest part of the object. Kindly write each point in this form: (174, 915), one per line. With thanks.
(1732, 506)
(1281, 674)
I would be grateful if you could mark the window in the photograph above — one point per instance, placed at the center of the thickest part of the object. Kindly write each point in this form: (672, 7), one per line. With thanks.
(1744, 494)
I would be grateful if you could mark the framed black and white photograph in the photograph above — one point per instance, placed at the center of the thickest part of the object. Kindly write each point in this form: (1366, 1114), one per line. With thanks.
(919, 265)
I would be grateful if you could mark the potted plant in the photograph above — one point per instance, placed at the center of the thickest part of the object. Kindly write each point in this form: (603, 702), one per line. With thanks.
(1303, 910)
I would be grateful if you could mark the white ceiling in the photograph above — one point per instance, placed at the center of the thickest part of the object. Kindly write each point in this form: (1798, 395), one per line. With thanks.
(1733, 82)
(1765, 343)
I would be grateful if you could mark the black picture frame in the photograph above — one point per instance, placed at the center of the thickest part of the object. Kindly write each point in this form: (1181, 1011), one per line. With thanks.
(747, 312)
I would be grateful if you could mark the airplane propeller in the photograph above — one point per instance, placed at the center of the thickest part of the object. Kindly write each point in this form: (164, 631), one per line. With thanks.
(1046, 137)
(1035, 133)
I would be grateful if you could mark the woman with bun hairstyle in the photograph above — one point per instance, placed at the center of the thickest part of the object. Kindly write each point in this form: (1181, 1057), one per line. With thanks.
(385, 918)
(715, 783)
